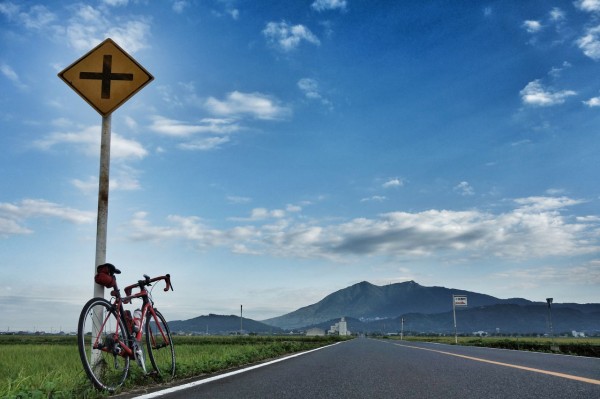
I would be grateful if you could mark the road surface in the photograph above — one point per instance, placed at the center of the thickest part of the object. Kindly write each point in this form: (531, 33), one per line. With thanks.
(368, 368)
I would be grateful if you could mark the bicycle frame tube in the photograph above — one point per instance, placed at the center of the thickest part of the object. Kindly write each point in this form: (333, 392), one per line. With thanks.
(158, 325)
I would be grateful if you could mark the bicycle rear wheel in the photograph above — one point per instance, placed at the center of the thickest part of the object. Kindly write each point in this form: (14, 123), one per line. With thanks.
(98, 335)
(160, 346)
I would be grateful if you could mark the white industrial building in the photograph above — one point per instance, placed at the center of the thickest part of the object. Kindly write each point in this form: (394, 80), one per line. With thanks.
(339, 328)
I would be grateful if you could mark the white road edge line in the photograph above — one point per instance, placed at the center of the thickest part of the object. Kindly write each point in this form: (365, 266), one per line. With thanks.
(177, 388)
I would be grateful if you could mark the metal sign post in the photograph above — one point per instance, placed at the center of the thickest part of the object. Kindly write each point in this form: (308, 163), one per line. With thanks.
(457, 300)
(103, 187)
(106, 77)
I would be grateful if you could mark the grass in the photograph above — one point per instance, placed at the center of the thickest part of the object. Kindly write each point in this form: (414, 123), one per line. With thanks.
(49, 366)
(566, 345)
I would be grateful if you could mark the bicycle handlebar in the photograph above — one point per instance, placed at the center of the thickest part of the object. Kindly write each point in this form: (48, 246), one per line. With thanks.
(148, 281)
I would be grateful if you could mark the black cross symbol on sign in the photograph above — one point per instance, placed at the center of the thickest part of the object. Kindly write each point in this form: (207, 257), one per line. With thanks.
(106, 76)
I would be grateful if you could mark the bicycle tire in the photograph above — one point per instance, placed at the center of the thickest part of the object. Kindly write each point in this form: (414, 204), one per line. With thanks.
(107, 370)
(160, 347)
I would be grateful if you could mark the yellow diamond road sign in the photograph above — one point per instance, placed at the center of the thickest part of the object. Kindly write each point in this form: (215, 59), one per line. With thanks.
(106, 77)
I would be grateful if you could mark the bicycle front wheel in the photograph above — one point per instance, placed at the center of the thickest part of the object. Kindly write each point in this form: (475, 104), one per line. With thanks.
(160, 346)
(99, 336)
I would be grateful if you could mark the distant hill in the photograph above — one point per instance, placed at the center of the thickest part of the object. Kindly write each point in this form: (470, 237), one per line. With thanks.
(220, 324)
(368, 301)
(371, 308)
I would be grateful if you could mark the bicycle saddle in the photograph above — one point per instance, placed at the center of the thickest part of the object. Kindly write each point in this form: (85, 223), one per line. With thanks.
(111, 268)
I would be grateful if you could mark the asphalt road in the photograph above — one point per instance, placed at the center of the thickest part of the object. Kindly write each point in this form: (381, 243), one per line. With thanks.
(367, 368)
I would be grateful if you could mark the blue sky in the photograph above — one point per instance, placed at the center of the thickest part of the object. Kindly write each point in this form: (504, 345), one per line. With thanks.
(288, 149)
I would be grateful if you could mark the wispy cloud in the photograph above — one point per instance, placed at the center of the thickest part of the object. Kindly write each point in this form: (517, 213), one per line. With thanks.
(374, 198)
(534, 228)
(115, 3)
(536, 94)
(286, 37)
(464, 189)
(36, 17)
(180, 5)
(310, 88)
(123, 178)
(593, 102)
(588, 5)
(391, 183)
(87, 140)
(532, 26)
(176, 128)
(323, 5)
(589, 43)
(255, 105)
(13, 217)
(88, 26)
(11, 75)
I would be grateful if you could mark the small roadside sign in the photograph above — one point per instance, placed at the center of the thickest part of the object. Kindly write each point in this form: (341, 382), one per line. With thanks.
(106, 77)
(460, 300)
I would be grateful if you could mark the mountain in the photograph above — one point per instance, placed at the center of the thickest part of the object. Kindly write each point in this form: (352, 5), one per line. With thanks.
(368, 302)
(220, 324)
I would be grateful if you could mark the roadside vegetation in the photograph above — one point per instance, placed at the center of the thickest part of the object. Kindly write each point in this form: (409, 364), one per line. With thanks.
(49, 366)
(565, 345)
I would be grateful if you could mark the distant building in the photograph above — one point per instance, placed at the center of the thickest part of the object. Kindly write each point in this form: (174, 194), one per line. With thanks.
(315, 332)
(339, 328)
(578, 334)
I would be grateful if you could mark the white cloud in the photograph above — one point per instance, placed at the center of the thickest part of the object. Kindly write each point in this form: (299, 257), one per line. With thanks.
(205, 144)
(38, 17)
(537, 95)
(122, 178)
(176, 128)
(322, 5)
(11, 75)
(395, 182)
(255, 105)
(375, 198)
(532, 26)
(115, 3)
(535, 228)
(310, 88)
(13, 216)
(590, 43)
(464, 188)
(88, 26)
(234, 199)
(588, 5)
(593, 102)
(179, 6)
(88, 142)
(209, 127)
(556, 14)
(287, 37)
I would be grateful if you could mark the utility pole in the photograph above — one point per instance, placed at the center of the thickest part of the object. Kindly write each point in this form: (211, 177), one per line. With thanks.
(241, 320)
(549, 302)
(402, 330)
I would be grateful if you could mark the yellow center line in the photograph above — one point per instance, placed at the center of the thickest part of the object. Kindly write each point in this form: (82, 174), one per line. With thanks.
(515, 366)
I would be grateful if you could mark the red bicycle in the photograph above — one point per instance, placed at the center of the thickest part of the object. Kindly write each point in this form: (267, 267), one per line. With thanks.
(109, 337)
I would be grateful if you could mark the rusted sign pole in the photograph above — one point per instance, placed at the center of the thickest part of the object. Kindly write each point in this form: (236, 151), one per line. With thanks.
(103, 188)
(105, 77)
